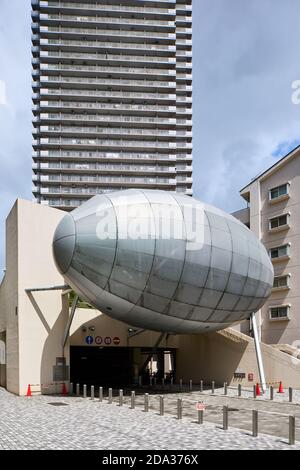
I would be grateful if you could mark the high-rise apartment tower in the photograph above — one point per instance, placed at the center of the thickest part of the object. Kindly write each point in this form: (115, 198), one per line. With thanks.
(112, 97)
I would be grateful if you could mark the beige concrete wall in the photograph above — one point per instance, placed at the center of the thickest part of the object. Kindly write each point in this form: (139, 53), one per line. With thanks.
(34, 323)
(9, 306)
(98, 324)
(42, 318)
(217, 356)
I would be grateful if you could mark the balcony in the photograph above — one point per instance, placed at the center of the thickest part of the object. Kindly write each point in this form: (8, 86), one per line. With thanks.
(117, 10)
(110, 96)
(70, 187)
(87, 83)
(105, 108)
(94, 144)
(125, 121)
(112, 21)
(86, 156)
(104, 46)
(54, 57)
(80, 172)
(128, 133)
(90, 33)
(118, 71)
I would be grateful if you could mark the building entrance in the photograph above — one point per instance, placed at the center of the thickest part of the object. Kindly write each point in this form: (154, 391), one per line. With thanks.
(119, 366)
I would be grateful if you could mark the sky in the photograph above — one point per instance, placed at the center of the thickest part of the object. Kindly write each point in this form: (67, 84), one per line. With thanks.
(245, 60)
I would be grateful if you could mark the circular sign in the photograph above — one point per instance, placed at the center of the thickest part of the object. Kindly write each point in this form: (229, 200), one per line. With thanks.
(89, 340)
(116, 340)
(98, 340)
(107, 340)
(200, 406)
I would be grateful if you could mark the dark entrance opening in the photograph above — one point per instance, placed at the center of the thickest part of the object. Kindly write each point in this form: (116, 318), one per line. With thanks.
(101, 366)
(118, 366)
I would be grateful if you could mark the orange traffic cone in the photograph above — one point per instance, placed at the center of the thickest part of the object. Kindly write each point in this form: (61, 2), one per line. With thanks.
(29, 394)
(280, 390)
(258, 392)
(64, 389)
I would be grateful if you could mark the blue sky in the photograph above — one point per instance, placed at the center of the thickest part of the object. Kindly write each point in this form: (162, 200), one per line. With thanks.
(246, 56)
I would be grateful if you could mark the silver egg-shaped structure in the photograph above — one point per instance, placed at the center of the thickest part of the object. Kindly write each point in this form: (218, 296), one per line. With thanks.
(163, 261)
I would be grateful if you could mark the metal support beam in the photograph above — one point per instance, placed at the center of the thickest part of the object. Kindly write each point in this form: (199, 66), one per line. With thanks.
(42, 289)
(258, 354)
(70, 319)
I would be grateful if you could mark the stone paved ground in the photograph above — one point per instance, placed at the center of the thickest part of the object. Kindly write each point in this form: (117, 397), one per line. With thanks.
(34, 423)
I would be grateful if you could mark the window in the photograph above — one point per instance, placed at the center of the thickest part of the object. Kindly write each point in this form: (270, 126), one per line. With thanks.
(279, 252)
(279, 221)
(281, 282)
(279, 191)
(280, 313)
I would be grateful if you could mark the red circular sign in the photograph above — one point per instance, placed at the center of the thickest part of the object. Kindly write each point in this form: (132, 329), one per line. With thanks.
(98, 340)
(107, 340)
(117, 340)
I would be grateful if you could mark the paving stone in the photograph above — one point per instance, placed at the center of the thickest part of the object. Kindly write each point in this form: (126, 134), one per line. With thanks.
(31, 423)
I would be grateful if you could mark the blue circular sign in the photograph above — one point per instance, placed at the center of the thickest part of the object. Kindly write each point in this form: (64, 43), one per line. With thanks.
(89, 340)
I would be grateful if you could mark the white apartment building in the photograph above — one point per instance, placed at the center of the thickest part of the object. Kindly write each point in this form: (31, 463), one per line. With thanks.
(112, 97)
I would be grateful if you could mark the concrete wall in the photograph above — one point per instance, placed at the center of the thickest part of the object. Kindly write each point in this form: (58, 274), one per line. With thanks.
(34, 323)
(9, 305)
(218, 356)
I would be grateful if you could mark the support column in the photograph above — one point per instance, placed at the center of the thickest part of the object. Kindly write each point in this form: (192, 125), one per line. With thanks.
(258, 354)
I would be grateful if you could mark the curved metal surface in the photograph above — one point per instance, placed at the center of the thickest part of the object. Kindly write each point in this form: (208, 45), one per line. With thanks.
(164, 261)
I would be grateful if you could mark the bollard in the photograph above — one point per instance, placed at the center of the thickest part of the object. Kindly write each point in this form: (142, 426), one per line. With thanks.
(71, 391)
(110, 396)
(292, 426)
(180, 384)
(179, 408)
(132, 400)
(92, 392)
(225, 388)
(271, 392)
(120, 397)
(290, 395)
(161, 406)
(84, 391)
(200, 416)
(254, 423)
(77, 390)
(239, 390)
(225, 418)
(146, 403)
(213, 387)
(140, 381)
(254, 391)
(100, 394)
(191, 385)
(201, 386)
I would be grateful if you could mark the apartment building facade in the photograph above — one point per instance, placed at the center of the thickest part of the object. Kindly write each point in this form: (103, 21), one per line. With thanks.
(273, 213)
(112, 97)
